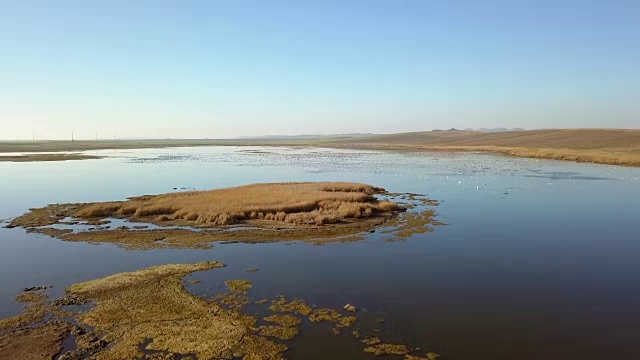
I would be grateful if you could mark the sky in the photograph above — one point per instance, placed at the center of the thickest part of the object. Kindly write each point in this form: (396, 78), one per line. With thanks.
(218, 69)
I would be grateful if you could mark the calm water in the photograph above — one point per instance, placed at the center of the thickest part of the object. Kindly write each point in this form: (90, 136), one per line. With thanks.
(538, 260)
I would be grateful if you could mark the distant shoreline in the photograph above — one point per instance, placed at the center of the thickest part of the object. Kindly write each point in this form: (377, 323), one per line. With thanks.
(47, 157)
(603, 146)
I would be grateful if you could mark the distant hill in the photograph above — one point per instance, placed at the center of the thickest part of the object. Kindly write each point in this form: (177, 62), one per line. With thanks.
(552, 138)
(304, 136)
(495, 129)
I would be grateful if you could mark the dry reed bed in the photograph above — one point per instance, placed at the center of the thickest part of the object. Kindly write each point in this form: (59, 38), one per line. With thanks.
(317, 212)
(309, 203)
(609, 156)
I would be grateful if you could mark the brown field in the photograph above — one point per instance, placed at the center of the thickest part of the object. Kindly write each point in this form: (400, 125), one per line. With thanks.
(607, 146)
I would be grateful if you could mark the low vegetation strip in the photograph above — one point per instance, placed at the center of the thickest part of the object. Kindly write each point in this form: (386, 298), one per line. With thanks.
(47, 157)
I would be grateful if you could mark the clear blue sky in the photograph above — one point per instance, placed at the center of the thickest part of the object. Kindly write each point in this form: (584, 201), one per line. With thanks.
(197, 69)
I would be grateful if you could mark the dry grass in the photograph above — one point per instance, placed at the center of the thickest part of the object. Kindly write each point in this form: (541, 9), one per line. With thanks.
(234, 300)
(31, 297)
(241, 286)
(49, 215)
(292, 203)
(257, 213)
(81, 145)
(317, 212)
(36, 310)
(47, 157)
(324, 315)
(387, 349)
(281, 305)
(153, 304)
(283, 319)
(31, 314)
(371, 340)
(278, 332)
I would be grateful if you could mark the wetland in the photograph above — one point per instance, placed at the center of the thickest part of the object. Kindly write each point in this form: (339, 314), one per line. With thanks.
(154, 253)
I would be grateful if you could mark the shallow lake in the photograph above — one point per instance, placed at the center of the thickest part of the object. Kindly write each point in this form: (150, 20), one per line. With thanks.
(539, 259)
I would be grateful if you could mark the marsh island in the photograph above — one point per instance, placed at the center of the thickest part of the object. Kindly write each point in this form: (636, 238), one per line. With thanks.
(265, 212)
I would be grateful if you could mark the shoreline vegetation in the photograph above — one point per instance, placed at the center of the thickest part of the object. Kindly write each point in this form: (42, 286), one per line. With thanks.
(312, 211)
(150, 314)
(605, 146)
(47, 157)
